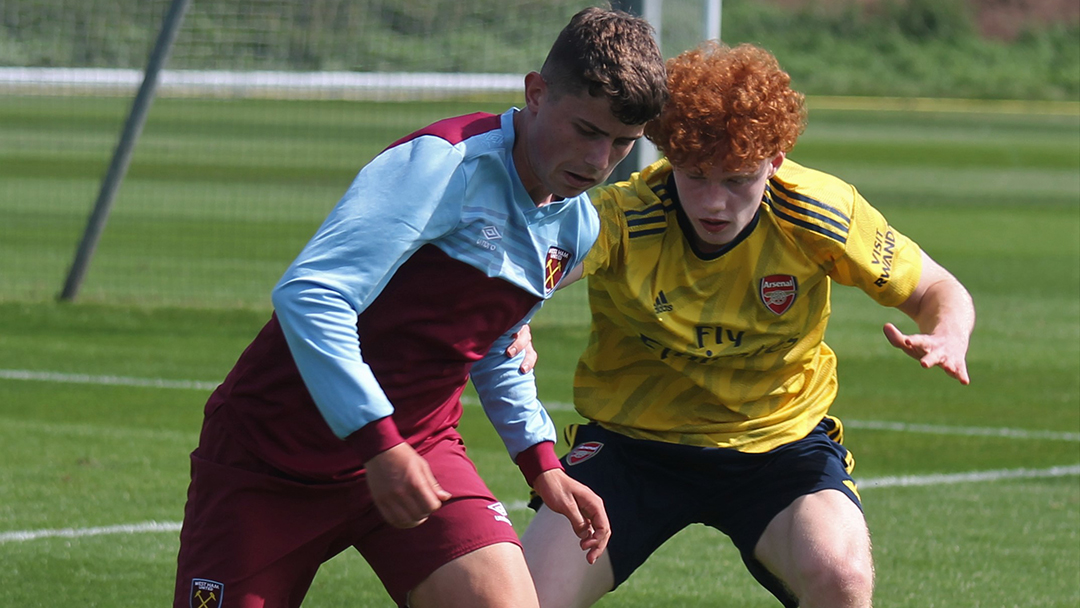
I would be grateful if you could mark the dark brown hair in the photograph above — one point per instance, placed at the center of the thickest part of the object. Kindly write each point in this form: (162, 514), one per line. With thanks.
(609, 53)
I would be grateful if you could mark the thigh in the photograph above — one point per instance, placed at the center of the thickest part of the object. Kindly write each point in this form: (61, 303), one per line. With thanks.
(818, 539)
(472, 519)
(493, 576)
(757, 487)
(769, 491)
(563, 577)
(644, 489)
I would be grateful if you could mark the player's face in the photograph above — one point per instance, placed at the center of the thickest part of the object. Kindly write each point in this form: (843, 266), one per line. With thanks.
(571, 143)
(719, 204)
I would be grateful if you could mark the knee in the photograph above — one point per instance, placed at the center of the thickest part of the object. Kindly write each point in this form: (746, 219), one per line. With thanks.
(839, 583)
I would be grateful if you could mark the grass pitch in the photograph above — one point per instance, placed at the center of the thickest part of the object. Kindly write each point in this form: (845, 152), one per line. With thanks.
(972, 493)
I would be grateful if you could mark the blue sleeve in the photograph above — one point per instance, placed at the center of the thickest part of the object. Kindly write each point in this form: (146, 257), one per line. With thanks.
(406, 197)
(509, 398)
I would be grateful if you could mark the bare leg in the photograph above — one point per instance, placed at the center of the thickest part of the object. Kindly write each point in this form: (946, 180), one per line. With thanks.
(820, 547)
(563, 578)
(494, 576)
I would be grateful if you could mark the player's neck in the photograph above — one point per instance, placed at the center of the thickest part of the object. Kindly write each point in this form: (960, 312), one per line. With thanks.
(539, 194)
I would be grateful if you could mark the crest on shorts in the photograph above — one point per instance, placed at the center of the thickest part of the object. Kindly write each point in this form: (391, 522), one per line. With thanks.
(554, 268)
(778, 292)
(206, 593)
(583, 452)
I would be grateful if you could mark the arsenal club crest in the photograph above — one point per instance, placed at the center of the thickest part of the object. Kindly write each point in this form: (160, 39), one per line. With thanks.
(778, 292)
(583, 452)
(554, 268)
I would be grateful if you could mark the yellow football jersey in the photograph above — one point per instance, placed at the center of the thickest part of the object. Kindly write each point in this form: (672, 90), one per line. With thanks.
(727, 350)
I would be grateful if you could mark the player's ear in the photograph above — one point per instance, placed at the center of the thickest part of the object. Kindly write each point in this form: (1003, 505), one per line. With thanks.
(535, 89)
(775, 162)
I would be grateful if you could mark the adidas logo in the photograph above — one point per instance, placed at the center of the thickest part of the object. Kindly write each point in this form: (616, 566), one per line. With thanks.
(661, 306)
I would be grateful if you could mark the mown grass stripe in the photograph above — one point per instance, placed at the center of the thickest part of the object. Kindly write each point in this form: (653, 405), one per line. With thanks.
(521, 505)
(882, 425)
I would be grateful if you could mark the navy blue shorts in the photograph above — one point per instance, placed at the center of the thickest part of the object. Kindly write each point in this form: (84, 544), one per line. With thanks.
(653, 489)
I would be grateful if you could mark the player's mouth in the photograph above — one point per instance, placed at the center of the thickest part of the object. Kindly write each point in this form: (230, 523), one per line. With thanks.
(713, 226)
(577, 180)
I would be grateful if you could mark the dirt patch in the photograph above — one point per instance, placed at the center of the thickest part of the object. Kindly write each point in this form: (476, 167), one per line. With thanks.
(998, 19)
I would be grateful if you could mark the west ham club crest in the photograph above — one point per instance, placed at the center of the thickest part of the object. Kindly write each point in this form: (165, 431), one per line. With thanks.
(206, 593)
(778, 292)
(554, 268)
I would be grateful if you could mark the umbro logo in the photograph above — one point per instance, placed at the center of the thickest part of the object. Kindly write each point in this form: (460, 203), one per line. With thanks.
(661, 306)
(500, 512)
(489, 234)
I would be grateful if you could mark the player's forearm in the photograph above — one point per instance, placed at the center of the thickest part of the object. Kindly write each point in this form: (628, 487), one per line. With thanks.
(510, 402)
(320, 329)
(941, 305)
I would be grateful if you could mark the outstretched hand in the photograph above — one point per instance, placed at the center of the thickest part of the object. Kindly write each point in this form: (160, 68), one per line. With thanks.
(580, 505)
(947, 352)
(403, 487)
(523, 342)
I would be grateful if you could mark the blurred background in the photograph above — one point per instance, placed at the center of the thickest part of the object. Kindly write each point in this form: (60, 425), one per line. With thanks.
(267, 109)
(958, 119)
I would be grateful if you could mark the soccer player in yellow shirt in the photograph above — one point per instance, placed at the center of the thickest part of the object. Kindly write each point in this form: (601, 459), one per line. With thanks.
(706, 380)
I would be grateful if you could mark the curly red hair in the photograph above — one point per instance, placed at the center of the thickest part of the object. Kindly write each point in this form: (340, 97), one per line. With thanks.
(728, 107)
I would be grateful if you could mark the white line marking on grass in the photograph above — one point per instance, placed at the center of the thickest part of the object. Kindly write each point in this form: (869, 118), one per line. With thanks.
(936, 429)
(97, 432)
(976, 476)
(556, 406)
(19, 374)
(149, 526)
(521, 505)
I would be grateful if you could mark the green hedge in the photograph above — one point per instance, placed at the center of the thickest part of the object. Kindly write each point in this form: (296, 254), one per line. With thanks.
(909, 48)
(919, 48)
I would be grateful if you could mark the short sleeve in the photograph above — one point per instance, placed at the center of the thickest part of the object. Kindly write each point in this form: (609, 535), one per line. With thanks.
(877, 258)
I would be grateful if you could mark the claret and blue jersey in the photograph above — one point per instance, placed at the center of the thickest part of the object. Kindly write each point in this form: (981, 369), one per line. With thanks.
(418, 278)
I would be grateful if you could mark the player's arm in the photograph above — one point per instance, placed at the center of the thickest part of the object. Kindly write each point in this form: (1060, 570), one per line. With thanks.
(578, 504)
(395, 205)
(522, 339)
(945, 314)
(510, 402)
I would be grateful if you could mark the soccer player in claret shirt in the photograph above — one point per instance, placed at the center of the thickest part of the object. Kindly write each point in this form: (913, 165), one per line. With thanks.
(706, 379)
(336, 427)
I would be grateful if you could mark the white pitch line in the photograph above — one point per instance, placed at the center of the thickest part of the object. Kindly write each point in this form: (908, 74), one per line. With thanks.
(20, 374)
(149, 526)
(936, 429)
(974, 476)
(932, 429)
(521, 505)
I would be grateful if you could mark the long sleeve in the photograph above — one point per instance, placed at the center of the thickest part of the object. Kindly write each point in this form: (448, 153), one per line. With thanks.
(406, 197)
(510, 401)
